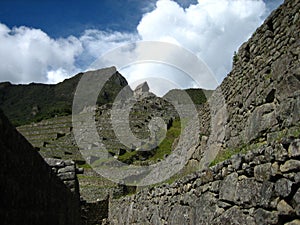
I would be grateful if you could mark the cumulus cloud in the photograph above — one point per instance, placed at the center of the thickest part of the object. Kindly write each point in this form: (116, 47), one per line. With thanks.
(158, 77)
(162, 62)
(97, 42)
(29, 54)
(56, 76)
(210, 29)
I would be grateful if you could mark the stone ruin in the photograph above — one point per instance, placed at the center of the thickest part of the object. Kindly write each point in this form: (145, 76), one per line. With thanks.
(260, 186)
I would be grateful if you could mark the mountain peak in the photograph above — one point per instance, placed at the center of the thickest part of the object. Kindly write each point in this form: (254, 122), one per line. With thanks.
(141, 88)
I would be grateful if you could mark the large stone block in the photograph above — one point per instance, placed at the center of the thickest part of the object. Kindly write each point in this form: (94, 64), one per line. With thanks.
(228, 187)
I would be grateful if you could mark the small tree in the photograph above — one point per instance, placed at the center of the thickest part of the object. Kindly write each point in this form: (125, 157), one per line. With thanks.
(235, 57)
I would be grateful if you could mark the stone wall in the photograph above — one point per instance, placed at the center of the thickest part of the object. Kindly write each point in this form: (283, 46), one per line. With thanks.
(262, 92)
(259, 100)
(66, 170)
(30, 193)
(260, 109)
(259, 187)
(94, 212)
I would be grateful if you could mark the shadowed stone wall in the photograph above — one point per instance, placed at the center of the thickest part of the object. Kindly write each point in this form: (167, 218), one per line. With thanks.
(30, 192)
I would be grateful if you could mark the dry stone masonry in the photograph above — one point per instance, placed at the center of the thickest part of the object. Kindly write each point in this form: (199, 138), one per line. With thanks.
(262, 121)
(262, 92)
(259, 187)
(66, 170)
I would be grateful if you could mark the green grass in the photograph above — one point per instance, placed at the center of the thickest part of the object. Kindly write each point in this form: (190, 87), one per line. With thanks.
(100, 163)
(182, 173)
(268, 76)
(229, 152)
(235, 57)
(296, 133)
(24, 104)
(84, 166)
(93, 178)
(287, 132)
(165, 147)
(197, 95)
(128, 157)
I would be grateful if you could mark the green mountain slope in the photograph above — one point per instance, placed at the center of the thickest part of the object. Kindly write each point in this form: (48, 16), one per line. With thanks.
(197, 95)
(34, 102)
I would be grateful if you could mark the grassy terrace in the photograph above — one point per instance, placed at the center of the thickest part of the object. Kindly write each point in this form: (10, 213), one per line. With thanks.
(165, 147)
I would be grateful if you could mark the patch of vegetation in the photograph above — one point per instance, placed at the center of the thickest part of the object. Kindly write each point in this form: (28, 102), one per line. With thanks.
(102, 162)
(186, 170)
(84, 166)
(268, 76)
(223, 155)
(164, 148)
(235, 57)
(197, 95)
(229, 152)
(287, 132)
(295, 133)
(128, 157)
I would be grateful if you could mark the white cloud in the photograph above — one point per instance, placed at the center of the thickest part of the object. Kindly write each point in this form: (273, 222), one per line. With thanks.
(158, 77)
(28, 54)
(212, 29)
(56, 76)
(97, 42)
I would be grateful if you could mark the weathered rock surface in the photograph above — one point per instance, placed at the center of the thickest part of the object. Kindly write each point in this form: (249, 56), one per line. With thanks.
(141, 89)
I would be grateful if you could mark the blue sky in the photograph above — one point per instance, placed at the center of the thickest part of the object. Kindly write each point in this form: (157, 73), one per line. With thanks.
(73, 17)
(63, 18)
(47, 41)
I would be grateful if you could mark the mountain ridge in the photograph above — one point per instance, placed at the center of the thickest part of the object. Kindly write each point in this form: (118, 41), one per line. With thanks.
(34, 102)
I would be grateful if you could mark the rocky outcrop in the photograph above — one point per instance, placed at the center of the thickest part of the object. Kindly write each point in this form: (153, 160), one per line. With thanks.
(141, 89)
(30, 192)
(259, 187)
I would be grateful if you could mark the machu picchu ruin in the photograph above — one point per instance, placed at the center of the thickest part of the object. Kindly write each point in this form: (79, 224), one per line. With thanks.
(241, 165)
